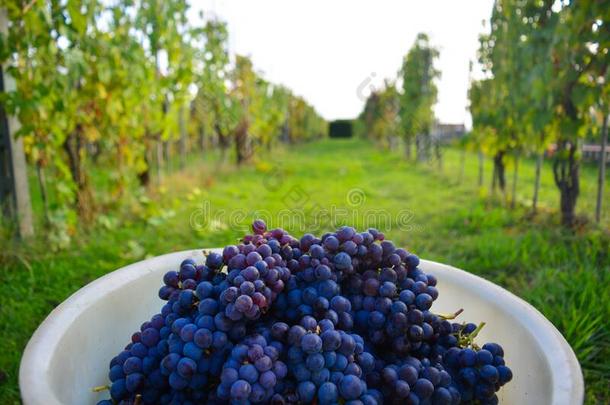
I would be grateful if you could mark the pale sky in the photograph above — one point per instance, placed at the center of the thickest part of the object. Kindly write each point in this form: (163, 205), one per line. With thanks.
(331, 52)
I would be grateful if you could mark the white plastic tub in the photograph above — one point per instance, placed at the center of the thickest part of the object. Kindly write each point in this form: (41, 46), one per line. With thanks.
(70, 351)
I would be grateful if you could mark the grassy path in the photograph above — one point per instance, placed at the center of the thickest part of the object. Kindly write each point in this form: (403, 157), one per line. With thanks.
(328, 183)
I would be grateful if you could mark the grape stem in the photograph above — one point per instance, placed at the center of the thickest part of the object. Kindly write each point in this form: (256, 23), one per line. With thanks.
(451, 316)
(476, 331)
(468, 340)
(100, 388)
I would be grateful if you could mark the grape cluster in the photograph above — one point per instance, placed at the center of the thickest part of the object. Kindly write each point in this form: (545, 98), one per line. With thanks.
(252, 371)
(478, 373)
(326, 363)
(344, 318)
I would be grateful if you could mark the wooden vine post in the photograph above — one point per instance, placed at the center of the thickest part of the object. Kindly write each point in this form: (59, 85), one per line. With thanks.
(14, 189)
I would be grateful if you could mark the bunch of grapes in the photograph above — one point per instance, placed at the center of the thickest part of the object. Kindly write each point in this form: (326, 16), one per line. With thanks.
(326, 363)
(478, 373)
(136, 368)
(252, 371)
(412, 381)
(345, 318)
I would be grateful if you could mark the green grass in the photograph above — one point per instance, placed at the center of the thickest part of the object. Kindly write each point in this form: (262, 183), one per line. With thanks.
(565, 275)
